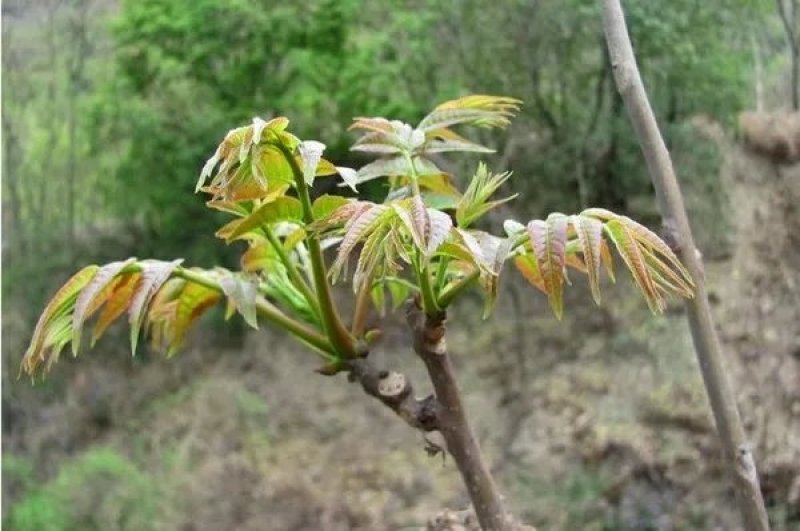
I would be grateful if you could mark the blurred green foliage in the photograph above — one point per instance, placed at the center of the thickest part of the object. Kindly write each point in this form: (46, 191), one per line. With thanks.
(100, 490)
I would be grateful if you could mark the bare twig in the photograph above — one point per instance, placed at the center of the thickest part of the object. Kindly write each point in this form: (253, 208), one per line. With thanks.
(429, 344)
(736, 451)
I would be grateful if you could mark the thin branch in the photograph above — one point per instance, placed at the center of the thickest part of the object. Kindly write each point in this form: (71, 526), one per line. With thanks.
(736, 450)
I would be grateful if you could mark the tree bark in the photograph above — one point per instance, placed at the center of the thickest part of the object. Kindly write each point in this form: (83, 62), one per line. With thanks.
(735, 448)
(429, 344)
(789, 20)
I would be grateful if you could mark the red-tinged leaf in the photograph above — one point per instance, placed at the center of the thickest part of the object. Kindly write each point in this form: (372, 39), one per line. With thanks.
(575, 262)
(665, 274)
(590, 238)
(373, 249)
(193, 301)
(241, 292)
(478, 110)
(379, 142)
(358, 229)
(526, 264)
(94, 289)
(445, 146)
(632, 256)
(154, 274)
(60, 305)
(421, 221)
(117, 303)
(440, 227)
(345, 213)
(381, 125)
(600, 213)
(649, 240)
(548, 240)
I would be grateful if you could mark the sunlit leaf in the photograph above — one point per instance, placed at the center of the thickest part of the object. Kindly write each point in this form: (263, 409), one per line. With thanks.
(242, 294)
(479, 110)
(117, 303)
(154, 274)
(56, 313)
(193, 301)
(96, 289)
(310, 154)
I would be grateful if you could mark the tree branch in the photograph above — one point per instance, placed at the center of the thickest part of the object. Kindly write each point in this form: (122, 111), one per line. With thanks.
(429, 344)
(396, 392)
(736, 451)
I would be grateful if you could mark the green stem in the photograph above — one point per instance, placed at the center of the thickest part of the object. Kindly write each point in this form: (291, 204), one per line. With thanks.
(267, 311)
(430, 306)
(429, 303)
(338, 334)
(360, 311)
(291, 268)
(441, 271)
(449, 294)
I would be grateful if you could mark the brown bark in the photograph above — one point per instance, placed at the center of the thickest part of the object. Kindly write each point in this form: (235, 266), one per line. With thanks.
(736, 450)
(428, 333)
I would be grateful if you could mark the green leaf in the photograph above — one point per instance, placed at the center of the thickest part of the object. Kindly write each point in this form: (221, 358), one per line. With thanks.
(326, 204)
(55, 317)
(281, 209)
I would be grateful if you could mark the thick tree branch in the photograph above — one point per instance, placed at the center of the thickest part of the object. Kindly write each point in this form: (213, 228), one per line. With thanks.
(429, 343)
(709, 352)
(396, 392)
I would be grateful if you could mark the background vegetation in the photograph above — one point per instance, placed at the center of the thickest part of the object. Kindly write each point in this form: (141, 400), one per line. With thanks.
(109, 111)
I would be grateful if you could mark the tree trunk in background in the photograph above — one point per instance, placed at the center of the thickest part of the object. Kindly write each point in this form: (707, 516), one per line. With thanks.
(735, 448)
(789, 11)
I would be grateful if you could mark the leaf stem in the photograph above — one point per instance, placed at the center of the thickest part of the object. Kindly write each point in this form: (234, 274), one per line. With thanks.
(339, 336)
(447, 295)
(360, 311)
(266, 310)
(291, 268)
(429, 302)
